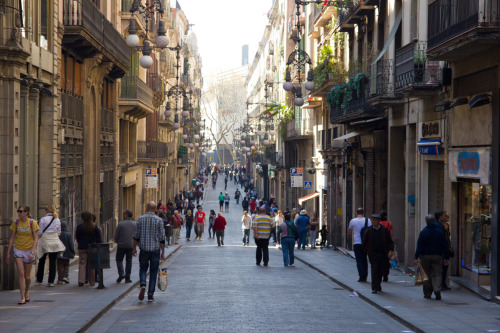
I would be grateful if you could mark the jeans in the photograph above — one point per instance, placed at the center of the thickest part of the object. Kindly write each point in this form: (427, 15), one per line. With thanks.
(302, 239)
(361, 262)
(188, 231)
(262, 252)
(246, 236)
(288, 245)
(210, 228)
(273, 234)
(312, 238)
(149, 259)
(127, 253)
(52, 267)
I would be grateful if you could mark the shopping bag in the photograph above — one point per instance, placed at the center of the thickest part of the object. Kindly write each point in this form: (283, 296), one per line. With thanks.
(420, 276)
(162, 276)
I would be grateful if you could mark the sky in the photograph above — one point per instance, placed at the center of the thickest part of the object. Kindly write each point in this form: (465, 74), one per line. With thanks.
(222, 27)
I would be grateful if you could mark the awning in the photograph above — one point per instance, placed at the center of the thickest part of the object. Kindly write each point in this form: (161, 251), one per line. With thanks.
(308, 197)
(339, 141)
(430, 147)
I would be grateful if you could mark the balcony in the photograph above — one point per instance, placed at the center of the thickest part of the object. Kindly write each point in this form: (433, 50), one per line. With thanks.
(414, 71)
(348, 103)
(151, 150)
(88, 32)
(356, 10)
(155, 83)
(301, 127)
(325, 78)
(182, 160)
(343, 24)
(382, 88)
(136, 98)
(459, 28)
(323, 15)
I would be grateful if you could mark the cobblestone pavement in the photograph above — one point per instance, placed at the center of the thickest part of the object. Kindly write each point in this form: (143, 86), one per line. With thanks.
(220, 289)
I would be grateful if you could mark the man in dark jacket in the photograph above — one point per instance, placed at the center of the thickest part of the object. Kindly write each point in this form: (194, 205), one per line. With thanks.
(378, 244)
(123, 238)
(244, 204)
(432, 247)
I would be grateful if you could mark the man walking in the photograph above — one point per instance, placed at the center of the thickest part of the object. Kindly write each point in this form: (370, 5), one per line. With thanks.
(176, 223)
(432, 249)
(261, 232)
(302, 223)
(355, 227)
(125, 245)
(221, 202)
(201, 221)
(219, 226)
(378, 244)
(246, 224)
(150, 235)
(237, 195)
(442, 221)
(226, 202)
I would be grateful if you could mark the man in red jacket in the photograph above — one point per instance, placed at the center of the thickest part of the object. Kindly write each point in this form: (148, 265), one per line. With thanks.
(219, 226)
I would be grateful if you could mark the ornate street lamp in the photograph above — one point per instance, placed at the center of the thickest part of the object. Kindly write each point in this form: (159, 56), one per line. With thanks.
(133, 40)
(299, 58)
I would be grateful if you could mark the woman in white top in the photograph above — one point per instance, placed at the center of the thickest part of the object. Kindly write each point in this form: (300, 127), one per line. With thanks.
(278, 219)
(49, 243)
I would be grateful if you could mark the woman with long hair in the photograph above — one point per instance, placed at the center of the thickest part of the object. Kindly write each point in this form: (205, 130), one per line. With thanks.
(278, 219)
(211, 219)
(86, 233)
(49, 243)
(24, 239)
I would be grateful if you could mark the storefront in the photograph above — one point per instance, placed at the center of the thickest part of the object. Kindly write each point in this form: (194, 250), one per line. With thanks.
(470, 172)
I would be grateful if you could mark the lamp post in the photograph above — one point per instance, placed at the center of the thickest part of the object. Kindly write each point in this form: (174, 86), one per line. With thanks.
(299, 58)
(133, 40)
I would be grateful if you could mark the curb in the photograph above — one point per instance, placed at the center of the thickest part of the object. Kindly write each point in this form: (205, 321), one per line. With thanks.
(94, 319)
(364, 298)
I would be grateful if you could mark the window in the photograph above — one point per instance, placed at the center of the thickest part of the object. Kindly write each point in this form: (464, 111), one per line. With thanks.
(71, 75)
(44, 33)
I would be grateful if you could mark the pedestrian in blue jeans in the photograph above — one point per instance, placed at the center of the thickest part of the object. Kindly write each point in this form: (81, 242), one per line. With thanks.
(150, 235)
(302, 223)
(355, 226)
(288, 234)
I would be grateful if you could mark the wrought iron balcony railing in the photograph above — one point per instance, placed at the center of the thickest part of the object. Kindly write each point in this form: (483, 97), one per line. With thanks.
(357, 106)
(152, 150)
(450, 18)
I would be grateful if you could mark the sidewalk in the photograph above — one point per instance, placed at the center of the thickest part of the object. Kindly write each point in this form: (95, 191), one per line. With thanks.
(67, 307)
(403, 301)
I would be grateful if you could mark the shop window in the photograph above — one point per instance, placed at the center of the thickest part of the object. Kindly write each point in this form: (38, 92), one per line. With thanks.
(476, 214)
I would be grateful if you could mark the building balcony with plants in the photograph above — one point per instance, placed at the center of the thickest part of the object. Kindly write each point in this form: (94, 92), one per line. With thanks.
(328, 72)
(414, 71)
(349, 100)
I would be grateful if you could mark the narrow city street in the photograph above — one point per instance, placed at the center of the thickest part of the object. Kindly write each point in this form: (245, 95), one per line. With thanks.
(220, 289)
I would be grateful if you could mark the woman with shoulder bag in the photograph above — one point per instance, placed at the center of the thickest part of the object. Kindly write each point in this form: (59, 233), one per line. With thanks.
(86, 233)
(24, 238)
(49, 243)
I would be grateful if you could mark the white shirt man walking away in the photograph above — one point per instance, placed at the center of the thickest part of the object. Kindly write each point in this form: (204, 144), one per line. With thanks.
(355, 226)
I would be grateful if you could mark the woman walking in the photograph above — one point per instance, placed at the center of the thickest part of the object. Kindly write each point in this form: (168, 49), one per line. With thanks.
(288, 235)
(189, 224)
(48, 244)
(313, 230)
(278, 219)
(24, 238)
(211, 220)
(86, 233)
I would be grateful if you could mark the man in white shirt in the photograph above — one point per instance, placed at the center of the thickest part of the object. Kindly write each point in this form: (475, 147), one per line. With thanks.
(355, 227)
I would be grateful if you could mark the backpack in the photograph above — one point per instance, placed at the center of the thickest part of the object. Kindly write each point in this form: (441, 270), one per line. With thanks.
(362, 231)
(31, 225)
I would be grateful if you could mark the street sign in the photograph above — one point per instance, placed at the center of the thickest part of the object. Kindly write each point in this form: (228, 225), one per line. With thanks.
(308, 185)
(296, 177)
(151, 180)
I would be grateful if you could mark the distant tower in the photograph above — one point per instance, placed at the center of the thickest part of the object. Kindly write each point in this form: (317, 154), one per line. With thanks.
(244, 55)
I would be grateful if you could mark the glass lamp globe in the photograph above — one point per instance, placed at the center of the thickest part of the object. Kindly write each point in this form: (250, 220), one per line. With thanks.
(176, 126)
(243, 135)
(132, 40)
(196, 136)
(242, 142)
(271, 132)
(184, 136)
(259, 132)
(299, 101)
(162, 41)
(266, 142)
(167, 113)
(309, 85)
(196, 144)
(146, 61)
(288, 86)
(252, 142)
(185, 113)
(253, 147)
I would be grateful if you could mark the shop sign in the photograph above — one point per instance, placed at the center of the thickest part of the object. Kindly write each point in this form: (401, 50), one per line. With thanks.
(430, 129)
(470, 164)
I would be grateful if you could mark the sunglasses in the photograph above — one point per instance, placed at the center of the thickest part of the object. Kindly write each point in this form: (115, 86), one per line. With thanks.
(21, 211)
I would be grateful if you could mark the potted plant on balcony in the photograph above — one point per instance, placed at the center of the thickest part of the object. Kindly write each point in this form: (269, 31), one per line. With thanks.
(418, 64)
